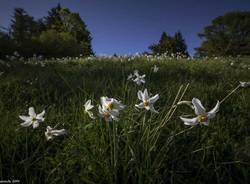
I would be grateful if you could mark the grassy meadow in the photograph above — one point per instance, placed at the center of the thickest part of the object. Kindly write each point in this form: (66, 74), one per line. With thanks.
(142, 147)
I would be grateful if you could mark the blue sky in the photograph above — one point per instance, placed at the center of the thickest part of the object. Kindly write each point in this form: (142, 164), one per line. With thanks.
(130, 26)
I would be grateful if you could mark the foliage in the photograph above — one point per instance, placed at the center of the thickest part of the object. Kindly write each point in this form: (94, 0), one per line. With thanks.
(27, 35)
(135, 149)
(228, 35)
(54, 44)
(170, 45)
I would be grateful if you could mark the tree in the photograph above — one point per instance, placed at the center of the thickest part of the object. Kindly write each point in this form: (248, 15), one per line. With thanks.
(54, 44)
(170, 45)
(63, 20)
(23, 28)
(228, 35)
(179, 44)
(7, 46)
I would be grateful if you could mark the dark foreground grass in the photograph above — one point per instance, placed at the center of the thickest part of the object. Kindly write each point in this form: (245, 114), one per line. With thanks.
(141, 147)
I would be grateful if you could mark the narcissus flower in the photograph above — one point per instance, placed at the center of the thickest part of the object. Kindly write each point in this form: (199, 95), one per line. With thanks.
(244, 84)
(87, 108)
(147, 102)
(203, 117)
(139, 79)
(110, 108)
(51, 132)
(33, 118)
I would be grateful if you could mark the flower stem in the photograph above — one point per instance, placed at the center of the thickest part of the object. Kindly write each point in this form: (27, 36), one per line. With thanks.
(229, 94)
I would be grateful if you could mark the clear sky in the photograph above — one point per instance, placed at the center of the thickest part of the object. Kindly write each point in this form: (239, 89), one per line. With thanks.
(130, 26)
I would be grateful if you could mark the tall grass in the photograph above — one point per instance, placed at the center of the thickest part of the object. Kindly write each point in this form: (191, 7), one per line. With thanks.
(141, 147)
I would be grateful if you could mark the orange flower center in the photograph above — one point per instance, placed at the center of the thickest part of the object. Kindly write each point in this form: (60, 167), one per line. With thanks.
(203, 118)
(146, 103)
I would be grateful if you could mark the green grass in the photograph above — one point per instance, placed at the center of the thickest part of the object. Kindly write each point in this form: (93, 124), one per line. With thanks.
(141, 147)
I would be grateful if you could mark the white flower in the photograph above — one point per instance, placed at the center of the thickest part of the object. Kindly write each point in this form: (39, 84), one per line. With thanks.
(87, 108)
(110, 108)
(147, 102)
(104, 113)
(139, 79)
(111, 103)
(203, 117)
(244, 84)
(33, 118)
(51, 132)
(155, 69)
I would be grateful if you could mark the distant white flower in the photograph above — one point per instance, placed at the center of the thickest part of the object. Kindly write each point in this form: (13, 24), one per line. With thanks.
(87, 108)
(203, 117)
(155, 69)
(33, 118)
(110, 108)
(139, 79)
(147, 102)
(244, 84)
(51, 132)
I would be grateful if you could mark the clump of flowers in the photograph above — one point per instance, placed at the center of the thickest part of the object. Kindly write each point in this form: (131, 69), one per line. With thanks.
(110, 108)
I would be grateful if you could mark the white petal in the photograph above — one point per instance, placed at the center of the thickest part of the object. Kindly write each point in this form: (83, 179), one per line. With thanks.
(141, 105)
(211, 114)
(40, 116)
(86, 105)
(145, 95)
(114, 112)
(152, 109)
(140, 95)
(25, 118)
(103, 100)
(198, 107)
(190, 121)
(26, 123)
(58, 132)
(153, 99)
(91, 115)
(32, 112)
(35, 124)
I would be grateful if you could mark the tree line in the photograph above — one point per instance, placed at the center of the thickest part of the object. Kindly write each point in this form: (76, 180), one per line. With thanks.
(63, 33)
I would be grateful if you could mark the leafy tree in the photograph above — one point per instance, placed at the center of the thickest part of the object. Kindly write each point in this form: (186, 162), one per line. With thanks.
(54, 44)
(170, 45)
(63, 20)
(228, 35)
